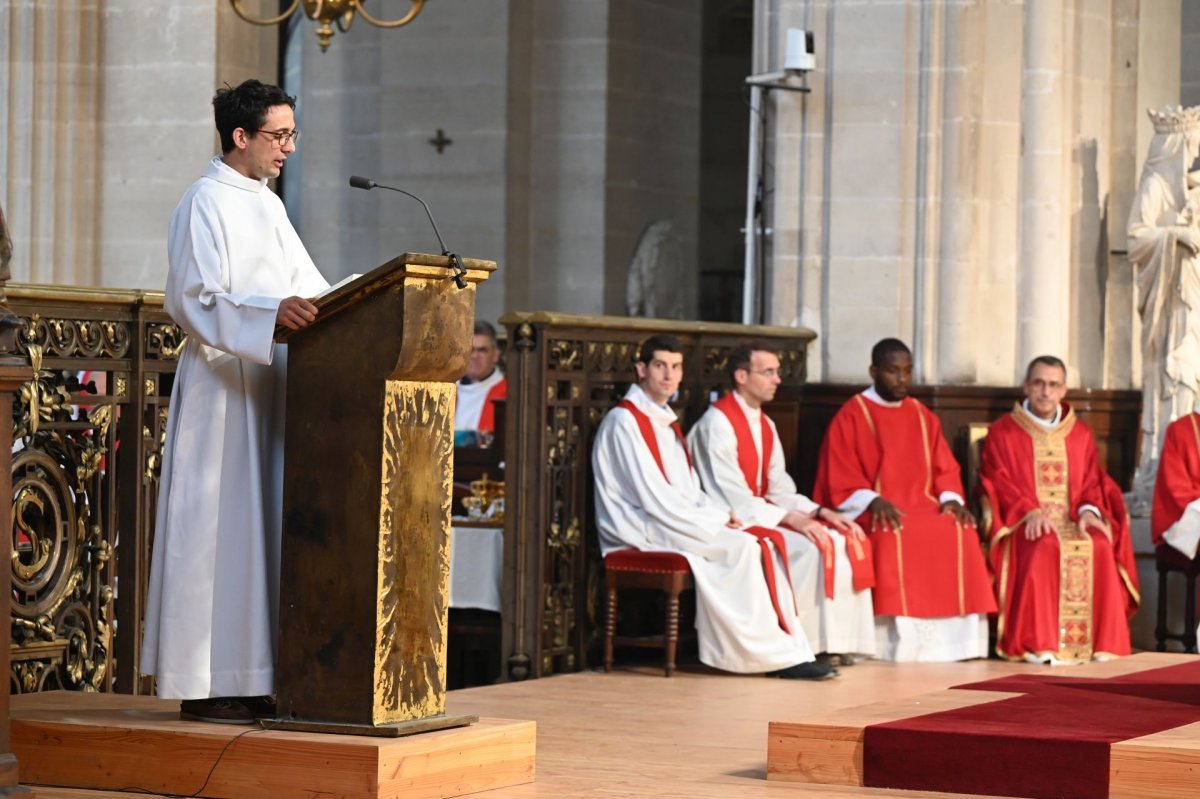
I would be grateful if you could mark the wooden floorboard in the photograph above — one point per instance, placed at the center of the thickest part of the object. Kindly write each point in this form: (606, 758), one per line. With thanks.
(697, 735)
(634, 734)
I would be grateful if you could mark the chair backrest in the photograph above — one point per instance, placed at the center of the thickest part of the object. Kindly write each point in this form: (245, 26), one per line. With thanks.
(976, 434)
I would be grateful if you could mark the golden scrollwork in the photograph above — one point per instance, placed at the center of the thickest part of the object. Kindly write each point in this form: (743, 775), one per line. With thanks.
(164, 341)
(80, 338)
(565, 355)
(612, 356)
(61, 595)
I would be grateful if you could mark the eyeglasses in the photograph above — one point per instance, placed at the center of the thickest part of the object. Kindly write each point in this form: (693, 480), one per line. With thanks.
(282, 137)
(768, 373)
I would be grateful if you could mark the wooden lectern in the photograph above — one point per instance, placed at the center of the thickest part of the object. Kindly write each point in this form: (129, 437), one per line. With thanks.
(364, 579)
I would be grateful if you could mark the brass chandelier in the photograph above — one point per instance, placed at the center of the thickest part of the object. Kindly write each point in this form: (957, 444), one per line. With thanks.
(328, 12)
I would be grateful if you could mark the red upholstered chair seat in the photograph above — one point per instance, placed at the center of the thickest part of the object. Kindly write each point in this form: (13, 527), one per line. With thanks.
(661, 571)
(636, 560)
(1168, 559)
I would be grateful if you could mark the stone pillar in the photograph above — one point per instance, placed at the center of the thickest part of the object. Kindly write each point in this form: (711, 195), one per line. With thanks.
(107, 120)
(50, 77)
(958, 253)
(1043, 301)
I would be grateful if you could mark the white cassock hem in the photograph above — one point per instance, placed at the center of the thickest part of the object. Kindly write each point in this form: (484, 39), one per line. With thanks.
(905, 639)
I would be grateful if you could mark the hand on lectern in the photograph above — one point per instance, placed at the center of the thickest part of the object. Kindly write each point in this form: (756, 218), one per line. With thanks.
(295, 313)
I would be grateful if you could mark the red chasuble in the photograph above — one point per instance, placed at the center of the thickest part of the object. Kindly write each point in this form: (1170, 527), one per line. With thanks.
(758, 479)
(933, 567)
(487, 417)
(1070, 594)
(765, 535)
(1178, 482)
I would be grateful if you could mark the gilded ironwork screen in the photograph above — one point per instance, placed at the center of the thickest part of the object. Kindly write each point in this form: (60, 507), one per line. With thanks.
(87, 433)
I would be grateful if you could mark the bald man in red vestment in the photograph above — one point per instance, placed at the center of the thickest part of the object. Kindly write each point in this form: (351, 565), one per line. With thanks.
(1060, 548)
(885, 462)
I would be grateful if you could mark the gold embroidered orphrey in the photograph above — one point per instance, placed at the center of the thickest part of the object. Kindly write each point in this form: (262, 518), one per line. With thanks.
(1076, 563)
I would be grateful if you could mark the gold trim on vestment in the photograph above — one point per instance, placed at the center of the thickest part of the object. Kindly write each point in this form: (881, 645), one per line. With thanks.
(962, 589)
(928, 458)
(1051, 474)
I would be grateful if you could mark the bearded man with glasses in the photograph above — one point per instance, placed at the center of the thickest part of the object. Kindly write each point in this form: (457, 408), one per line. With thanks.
(237, 269)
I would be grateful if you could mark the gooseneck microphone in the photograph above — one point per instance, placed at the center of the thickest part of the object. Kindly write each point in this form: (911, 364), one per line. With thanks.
(359, 182)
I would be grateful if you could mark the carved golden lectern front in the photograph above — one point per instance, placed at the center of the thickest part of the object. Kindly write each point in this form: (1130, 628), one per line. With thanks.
(364, 582)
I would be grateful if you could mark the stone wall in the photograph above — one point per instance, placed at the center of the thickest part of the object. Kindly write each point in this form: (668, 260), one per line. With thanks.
(958, 177)
(108, 120)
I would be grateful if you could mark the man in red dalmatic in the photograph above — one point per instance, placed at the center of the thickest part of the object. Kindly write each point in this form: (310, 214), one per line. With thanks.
(885, 462)
(1060, 548)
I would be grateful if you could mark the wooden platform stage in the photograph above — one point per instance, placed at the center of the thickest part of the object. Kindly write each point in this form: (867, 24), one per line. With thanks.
(634, 734)
(138, 746)
(827, 748)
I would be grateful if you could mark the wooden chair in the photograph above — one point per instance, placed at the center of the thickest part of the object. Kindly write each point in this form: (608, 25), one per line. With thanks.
(664, 571)
(1167, 559)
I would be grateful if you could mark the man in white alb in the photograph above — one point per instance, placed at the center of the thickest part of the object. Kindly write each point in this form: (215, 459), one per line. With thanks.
(739, 458)
(484, 382)
(648, 498)
(237, 269)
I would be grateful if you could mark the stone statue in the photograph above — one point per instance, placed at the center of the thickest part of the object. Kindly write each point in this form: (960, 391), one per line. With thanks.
(653, 287)
(1164, 243)
(5, 254)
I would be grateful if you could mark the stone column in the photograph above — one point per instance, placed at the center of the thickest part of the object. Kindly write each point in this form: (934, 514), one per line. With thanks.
(958, 254)
(1042, 304)
(50, 77)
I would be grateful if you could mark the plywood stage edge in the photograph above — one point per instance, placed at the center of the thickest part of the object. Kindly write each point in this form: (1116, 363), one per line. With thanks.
(113, 742)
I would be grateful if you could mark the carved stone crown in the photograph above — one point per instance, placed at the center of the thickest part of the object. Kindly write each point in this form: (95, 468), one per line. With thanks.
(1175, 120)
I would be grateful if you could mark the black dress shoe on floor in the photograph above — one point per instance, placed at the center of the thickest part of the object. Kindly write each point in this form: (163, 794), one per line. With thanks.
(806, 671)
(263, 707)
(217, 710)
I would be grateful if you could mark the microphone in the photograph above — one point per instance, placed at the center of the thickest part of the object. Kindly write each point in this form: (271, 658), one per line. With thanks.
(359, 182)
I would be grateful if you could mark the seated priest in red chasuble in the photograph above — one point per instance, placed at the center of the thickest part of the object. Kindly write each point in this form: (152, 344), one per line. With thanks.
(648, 498)
(1060, 553)
(885, 463)
(739, 457)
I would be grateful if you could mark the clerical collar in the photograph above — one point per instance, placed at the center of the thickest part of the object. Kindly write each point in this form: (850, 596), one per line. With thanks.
(873, 395)
(222, 172)
(658, 413)
(1043, 422)
(466, 381)
(752, 414)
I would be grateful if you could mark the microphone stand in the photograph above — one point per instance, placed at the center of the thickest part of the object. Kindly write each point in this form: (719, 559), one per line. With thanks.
(456, 263)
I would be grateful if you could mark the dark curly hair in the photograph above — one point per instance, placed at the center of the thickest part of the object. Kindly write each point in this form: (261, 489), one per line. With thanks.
(246, 107)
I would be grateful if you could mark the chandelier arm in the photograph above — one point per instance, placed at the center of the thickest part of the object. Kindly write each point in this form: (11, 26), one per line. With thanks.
(345, 20)
(237, 8)
(417, 5)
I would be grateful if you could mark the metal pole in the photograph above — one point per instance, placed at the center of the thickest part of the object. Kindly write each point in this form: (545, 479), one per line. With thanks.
(750, 278)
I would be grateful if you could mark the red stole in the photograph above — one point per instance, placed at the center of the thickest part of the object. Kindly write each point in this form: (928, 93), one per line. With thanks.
(758, 480)
(763, 534)
(487, 417)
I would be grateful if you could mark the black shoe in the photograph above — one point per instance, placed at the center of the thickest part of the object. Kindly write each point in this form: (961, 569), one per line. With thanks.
(806, 671)
(263, 707)
(217, 710)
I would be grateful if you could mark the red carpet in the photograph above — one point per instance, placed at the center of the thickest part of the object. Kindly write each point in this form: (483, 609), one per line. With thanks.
(1051, 743)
